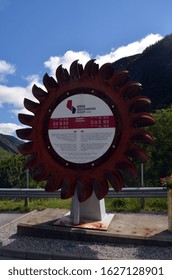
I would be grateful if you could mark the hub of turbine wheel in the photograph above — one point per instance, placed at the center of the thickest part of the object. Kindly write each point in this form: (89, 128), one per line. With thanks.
(84, 131)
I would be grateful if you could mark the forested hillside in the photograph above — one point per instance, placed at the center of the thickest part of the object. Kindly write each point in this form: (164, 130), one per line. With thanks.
(153, 69)
(9, 143)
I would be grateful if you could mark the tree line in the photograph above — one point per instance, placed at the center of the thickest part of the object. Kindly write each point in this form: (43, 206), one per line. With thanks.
(159, 164)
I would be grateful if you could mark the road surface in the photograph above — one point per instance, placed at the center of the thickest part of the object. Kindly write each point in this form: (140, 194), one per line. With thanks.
(6, 217)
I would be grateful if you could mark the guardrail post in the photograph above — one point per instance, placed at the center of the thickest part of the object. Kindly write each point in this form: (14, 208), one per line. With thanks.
(142, 199)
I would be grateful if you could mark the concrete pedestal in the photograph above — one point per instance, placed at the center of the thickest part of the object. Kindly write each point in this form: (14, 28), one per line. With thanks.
(88, 214)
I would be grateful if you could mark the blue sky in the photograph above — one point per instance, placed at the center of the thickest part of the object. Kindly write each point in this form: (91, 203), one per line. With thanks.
(36, 36)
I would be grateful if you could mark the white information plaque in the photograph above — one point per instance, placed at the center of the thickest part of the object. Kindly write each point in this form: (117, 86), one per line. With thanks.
(81, 128)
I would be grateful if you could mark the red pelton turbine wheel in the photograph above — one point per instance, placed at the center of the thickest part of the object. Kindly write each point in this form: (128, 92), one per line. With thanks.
(117, 94)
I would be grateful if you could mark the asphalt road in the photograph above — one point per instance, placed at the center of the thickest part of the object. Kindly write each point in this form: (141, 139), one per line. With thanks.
(6, 217)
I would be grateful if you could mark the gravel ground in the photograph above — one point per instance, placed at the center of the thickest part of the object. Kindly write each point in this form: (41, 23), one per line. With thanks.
(9, 240)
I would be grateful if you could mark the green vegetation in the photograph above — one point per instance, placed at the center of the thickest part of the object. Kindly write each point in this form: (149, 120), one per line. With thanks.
(12, 173)
(34, 204)
(153, 70)
(112, 204)
(134, 204)
(159, 162)
(160, 153)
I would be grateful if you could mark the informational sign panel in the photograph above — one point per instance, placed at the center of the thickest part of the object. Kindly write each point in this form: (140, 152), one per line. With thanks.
(84, 131)
(81, 128)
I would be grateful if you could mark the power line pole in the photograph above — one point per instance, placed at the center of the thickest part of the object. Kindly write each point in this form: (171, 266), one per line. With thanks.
(27, 187)
(142, 200)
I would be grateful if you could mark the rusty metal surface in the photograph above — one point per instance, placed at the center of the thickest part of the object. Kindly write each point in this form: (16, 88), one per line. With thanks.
(124, 227)
(66, 221)
(129, 108)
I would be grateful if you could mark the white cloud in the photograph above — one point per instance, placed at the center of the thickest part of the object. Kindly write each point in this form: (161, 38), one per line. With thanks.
(15, 95)
(66, 60)
(131, 49)
(12, 95)
(83, 56)
(9, 128)
(6, 69)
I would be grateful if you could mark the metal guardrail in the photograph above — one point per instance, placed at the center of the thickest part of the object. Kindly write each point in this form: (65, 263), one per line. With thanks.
(125, 192)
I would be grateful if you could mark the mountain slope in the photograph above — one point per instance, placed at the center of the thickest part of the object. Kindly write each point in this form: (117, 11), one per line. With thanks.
(153, 69)
(9, 143)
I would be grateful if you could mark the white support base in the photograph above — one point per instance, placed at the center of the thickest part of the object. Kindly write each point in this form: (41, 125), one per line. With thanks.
(91, 209)
(89, 214)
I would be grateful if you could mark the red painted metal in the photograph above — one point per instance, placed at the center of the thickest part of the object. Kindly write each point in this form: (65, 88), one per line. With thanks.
(130, 112)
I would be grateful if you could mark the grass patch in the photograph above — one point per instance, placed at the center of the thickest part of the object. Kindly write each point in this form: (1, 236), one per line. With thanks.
(43, 203)
(134, 204)
(123, 204)
(111, 204)
(33, 204)
(156, 204)
(11, 205)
